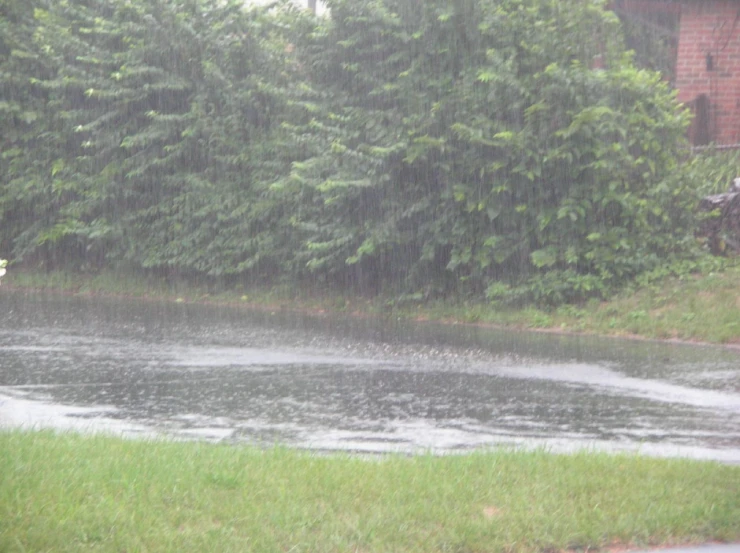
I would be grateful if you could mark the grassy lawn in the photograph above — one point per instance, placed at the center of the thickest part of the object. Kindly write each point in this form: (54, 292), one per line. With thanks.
(65, 492)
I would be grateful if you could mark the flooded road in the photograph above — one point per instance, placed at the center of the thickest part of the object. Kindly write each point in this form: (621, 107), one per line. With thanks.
(186, 371)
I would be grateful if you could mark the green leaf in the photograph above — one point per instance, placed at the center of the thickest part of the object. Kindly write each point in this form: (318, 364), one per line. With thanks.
(546, 257)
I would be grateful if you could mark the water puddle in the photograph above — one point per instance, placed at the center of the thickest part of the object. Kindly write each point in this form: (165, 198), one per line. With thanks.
(198, 372)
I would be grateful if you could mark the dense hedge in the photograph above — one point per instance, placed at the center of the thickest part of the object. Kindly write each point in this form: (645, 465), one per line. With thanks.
(419, 147)
(155, 141)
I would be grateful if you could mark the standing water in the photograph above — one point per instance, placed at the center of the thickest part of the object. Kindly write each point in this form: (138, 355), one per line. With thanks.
(356, 384)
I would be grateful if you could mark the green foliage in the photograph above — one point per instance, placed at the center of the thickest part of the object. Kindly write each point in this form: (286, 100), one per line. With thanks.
(653, 37)
(165, 137)
(420, 148)
(28, 140)
(473, 143)
(709, 171)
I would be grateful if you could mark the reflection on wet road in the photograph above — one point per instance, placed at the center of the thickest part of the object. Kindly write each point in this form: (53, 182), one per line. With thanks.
(360, 385)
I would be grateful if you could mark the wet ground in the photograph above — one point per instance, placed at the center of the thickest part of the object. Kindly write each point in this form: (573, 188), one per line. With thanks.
(146, 368)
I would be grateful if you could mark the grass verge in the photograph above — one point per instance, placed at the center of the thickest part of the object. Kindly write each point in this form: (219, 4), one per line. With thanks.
(698, 307)
(65, 492)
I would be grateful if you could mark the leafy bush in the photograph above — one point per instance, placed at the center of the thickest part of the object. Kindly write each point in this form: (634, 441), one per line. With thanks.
(463, 145)
(424, 148)
(710, 171)
(162, 120)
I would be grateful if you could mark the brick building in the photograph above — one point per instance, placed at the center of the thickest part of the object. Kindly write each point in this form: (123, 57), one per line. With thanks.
(707, 65)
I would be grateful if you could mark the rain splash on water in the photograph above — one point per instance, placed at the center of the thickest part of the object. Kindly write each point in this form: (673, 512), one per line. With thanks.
(356, 384)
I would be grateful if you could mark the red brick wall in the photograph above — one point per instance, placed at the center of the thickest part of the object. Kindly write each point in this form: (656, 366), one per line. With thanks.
(711, 27)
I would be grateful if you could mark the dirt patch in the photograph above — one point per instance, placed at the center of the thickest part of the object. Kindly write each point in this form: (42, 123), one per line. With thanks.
(490, 512)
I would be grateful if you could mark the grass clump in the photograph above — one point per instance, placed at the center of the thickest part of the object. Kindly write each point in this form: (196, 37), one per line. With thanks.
(64, 492)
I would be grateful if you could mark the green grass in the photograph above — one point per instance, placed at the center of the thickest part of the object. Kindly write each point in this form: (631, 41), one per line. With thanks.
(700, 307)
(695, 307)
(64, 492)
(703, 308)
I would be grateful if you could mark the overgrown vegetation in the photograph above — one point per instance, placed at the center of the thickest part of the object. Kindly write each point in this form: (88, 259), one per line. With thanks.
(419, 149)
(68, 493)
(652, 36)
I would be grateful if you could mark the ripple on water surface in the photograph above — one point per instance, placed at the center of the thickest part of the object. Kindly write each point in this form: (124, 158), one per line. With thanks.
(362, 385)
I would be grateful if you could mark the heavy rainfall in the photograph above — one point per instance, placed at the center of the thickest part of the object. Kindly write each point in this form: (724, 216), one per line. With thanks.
(360, 385)
(513, 154)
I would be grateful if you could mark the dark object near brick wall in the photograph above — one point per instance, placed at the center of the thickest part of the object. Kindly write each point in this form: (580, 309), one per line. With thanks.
(721, 226)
